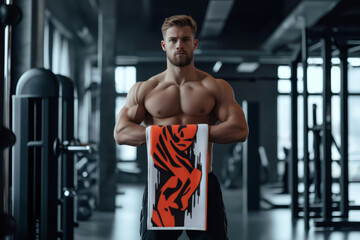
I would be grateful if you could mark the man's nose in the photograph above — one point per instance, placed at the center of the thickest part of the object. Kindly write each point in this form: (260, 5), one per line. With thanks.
(179, 44)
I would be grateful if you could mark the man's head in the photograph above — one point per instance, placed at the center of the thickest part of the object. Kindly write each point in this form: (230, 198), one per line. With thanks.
(179, 39)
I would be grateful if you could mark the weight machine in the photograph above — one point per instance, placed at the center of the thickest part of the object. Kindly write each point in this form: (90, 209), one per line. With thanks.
(43, 161)
(330, 44)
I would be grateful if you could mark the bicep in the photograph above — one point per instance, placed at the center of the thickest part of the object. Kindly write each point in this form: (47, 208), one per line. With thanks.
(227, 109)
(133, 110)
(133, 113)
(230, 111)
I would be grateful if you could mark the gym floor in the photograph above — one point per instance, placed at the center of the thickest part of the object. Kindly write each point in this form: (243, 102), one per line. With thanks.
(257, 225)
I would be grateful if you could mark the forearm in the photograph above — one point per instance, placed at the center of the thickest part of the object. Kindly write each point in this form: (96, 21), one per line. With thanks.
(228, 132)
(130, 134)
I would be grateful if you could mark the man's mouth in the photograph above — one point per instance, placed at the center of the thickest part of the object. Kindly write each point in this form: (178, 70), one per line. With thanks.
(180, 53)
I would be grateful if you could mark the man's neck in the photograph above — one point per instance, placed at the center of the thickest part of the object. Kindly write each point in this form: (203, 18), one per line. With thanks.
(180, 74)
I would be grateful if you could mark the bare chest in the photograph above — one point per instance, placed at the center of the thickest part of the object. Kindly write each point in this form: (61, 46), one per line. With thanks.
(173, 100)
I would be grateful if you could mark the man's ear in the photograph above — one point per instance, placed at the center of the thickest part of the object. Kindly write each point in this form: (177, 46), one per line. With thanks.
(196, 42)
(163, 45)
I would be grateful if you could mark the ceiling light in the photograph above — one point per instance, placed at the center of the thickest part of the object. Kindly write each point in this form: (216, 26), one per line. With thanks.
(315, 61)
(217, 66)
(247, 67)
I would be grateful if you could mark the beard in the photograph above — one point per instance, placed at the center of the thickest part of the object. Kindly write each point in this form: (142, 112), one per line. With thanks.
(180, 60)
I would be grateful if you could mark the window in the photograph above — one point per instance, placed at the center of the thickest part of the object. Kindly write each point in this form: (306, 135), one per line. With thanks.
(315, 88)
(354, 79)
(284, 86)
(354, 128)
(283, 124)
(60, 62)
(125, 77)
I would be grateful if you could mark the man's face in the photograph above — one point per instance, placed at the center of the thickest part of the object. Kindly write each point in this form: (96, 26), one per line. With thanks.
(179, 45)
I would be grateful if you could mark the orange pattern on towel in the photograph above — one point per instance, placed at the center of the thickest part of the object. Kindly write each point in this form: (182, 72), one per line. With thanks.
(170, 146)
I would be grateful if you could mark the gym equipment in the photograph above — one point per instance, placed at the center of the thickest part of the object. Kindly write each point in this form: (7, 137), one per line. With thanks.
(316, 129)
(66, 187)
(317, 132)
(231, 168)
(43, 172)
(271, 196)
(332, 215)
(35, 123)
(7, 222)
(86, 200)
(7, 138)
(10, 15)
(293, 156)
(274, 195)
(285, 176)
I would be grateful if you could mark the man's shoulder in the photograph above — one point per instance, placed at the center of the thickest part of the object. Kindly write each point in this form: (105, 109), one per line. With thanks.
(153, 81)
(217, 86)
(206, 77)
(143, 88)
(210, 82)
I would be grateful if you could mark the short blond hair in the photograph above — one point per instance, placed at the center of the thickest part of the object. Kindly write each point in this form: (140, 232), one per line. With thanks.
(179, 21)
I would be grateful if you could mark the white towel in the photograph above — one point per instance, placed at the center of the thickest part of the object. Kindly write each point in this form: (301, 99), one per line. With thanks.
(177, 176)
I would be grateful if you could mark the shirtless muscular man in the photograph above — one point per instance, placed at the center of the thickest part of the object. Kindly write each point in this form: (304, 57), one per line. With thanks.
(180, 95)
